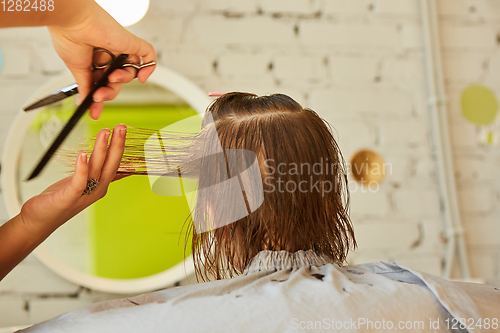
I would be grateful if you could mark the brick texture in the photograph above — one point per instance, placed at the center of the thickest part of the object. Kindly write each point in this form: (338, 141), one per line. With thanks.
(360, 65)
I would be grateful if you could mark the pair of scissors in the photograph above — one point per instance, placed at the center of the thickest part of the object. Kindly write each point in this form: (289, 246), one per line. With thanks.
(110, 66)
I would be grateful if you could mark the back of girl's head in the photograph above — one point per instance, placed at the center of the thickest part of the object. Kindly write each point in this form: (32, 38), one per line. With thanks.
(305, 204)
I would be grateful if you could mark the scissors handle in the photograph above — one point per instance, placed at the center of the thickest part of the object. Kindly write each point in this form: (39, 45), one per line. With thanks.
(103, 66)
(137, 67)
(80, 111)
(73, 89)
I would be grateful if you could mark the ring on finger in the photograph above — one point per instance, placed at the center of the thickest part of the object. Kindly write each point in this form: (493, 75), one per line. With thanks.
(91, 186)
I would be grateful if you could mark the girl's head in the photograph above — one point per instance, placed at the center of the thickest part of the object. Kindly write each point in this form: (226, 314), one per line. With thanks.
(296, 200)
(305, 204)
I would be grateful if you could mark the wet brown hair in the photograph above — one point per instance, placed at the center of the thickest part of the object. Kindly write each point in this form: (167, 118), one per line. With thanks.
(294, 146)
(303, 174)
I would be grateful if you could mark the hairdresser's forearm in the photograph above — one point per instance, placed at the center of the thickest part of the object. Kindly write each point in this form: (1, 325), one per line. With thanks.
(65, 13)
(17, 240)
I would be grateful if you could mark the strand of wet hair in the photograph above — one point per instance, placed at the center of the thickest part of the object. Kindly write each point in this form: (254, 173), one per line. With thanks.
(174, 147)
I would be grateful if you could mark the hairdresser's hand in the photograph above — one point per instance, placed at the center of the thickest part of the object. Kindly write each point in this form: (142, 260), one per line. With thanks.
(64, 199)
(76, 41)
(43, 214)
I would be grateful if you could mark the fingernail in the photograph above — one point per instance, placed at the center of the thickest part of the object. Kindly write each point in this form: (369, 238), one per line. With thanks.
(123, 132)
(78, 100)
(106, 135)
(116, 81)
(98, 100)
(83, 157)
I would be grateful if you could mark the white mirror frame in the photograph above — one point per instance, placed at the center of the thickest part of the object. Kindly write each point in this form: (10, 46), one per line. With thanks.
(163, 77)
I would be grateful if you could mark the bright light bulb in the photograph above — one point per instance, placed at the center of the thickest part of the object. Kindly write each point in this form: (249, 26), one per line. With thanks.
(126, 12)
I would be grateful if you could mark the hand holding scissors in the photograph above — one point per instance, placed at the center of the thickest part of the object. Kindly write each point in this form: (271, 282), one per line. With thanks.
(110, 66)
(102, 60)
(76, 40)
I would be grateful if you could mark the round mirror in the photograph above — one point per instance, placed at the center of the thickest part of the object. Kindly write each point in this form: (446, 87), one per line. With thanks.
(132, 240)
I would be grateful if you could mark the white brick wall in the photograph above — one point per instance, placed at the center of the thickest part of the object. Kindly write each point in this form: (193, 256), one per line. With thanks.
(473, 168)
(359, 64)
(184, 7)
(50, 63)
(398, 169)
(301, 67)
(361, 103)
(32, 277)
(13, 311)
(17, 61)
(459, 37)
(356, 36)
(464, 136)
(476, 199)
(229, 6)
(465, 68)
(422, 203)
(481, 231)
(493, 72)
(191, 65)
(375, 235)
(411, 36)
(40, 309)
(430, 263)
(484, 264)
(243, 66)
(300, 7)
(397, 7)
(365, 203)
(25, 35)
(234, 31)
(432, 240)
(353, 70)
(454, 7)
(342, 7)
(352, 135)
(487, 9)
(404, 133)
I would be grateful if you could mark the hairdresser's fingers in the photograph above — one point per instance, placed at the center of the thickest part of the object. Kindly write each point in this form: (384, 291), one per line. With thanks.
(145, 73)
(111, 90)
(98, 155)
(103, 94)
(107, 93)
(84, 79)
(79, 180)
(145, 50)
(114, 156)
(120, 176)
(95, 110)
(124, 75)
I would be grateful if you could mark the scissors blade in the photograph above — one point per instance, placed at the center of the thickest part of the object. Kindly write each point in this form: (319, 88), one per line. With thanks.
(80, 111)
(56, 96)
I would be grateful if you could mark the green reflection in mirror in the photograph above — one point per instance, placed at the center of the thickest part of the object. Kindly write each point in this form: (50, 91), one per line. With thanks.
(133, 231)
